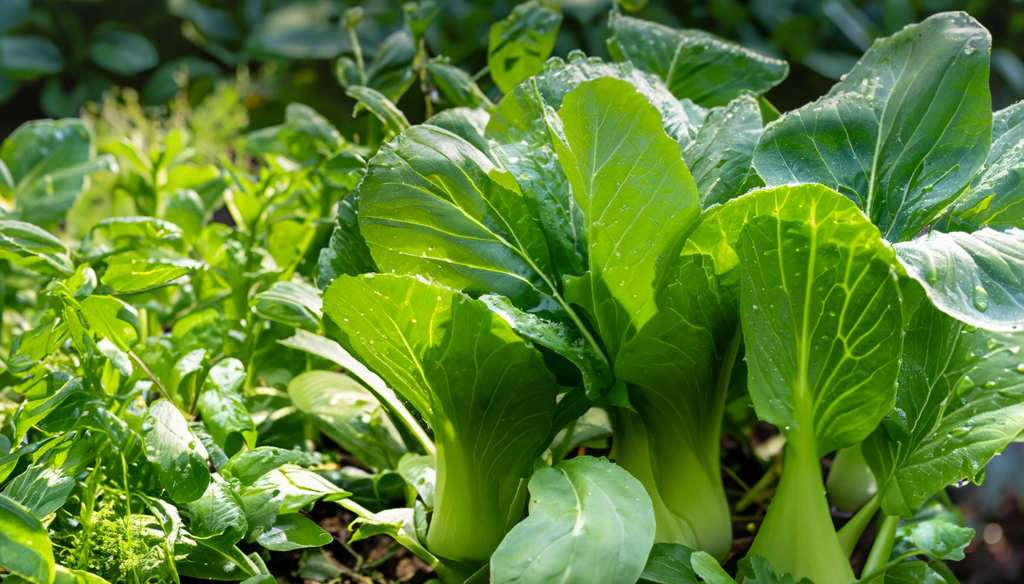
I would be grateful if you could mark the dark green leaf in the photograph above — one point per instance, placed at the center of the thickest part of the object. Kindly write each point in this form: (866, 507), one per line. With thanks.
(694, 64)
(27, 55)
(179, 457)
(224, 413)
(455, 84)
(218, 514)
(346, 253)
(249, 465)
(668, 563)
(887, 135)
(720, 157)
(124, 53)
(975, 277)
(292, 532)
(380, 106)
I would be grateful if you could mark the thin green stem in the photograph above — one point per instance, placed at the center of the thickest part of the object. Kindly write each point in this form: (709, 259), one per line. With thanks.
(358, 51)
(878, 559)
(481, 73)
(877, 576)
(760, 488)
(156, 382)
(850, 534)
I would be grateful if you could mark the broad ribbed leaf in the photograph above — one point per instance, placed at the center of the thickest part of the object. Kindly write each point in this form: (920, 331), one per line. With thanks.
(636, 195)
(694, 64)
(428, 207)
(902, 133)
(520, 43)
(975, 277)
(34, 248)
(995, 197)
(668, 563)
(821, 316)
(720, 157)
(25, 547)
(484, 391)
(467, 123)
(820, 309)
(960, 402)
(177, 453)
(590, 521)
(349, 414)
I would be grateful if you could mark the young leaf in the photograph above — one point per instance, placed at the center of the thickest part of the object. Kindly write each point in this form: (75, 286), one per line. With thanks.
(708, 569)
(452, 358)
(940, 540)
(25, 547)
(380, 106)
(217, 515)
(349, 414)
(179, 457)
(455, 84)
(975, 277)
(590, 521)
(913, 573)
(420, 471)
(629, 179)
(887, 136)
(34, 248)
(694, 64)
(521, 43)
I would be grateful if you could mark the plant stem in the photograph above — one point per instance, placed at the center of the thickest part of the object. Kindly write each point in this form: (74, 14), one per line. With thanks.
(850, 534)
(358, 51)
(482, 72)
(878, 558)
(156, 382)
(762, 486)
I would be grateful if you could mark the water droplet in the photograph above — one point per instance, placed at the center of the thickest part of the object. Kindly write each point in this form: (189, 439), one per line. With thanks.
(980, 298)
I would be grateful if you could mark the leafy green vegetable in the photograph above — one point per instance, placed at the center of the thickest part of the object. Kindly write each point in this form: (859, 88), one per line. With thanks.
(521, 43)
(589, 520)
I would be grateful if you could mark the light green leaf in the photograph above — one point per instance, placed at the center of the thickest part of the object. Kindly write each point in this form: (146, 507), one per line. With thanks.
(25, 547)
(380, 106)
(629, 179)
(821, 316)
(179, 456)
(49, 161)
(34, 248)
(913, 573)
(975, 277)
(420, 471)
(292, 532)
(941, 540)
(887, 135)
(467, 123)
(305, 136)
(113, 320)
(590, 521)
(960, 402)
(135, 272)
(294, 304)
(116, 234)
(32, 411)
(707, 567)
(391, 71)
(349, 414)
(452, 358)
(520, 43)
(694, 64)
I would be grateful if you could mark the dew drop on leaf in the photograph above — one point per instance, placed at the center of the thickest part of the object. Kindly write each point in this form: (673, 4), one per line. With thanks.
(980, 298)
